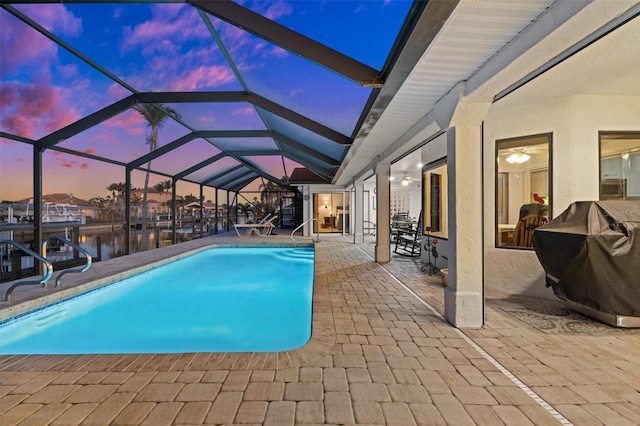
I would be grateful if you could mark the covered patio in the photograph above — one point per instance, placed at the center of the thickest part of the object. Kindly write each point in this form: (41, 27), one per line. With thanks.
(381, 353)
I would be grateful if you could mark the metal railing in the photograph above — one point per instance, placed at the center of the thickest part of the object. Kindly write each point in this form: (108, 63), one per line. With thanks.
(303, 224)
(371, 226)
(43, 280)
(74, 246)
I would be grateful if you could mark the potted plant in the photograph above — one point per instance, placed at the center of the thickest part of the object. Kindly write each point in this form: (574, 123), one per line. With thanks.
(445, 273)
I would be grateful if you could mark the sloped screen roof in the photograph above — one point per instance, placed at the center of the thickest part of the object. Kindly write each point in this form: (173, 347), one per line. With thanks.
(242, 91)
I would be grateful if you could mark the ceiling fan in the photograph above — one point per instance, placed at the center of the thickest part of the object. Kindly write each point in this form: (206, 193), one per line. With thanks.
(522, 155)
(406, 180)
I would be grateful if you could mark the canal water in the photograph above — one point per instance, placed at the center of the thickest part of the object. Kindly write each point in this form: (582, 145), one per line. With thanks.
(102, 242)
(112, 242)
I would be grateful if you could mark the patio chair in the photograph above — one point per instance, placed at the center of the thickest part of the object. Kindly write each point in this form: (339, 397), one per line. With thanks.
(523, 234)
(244, 230)
(408, 240)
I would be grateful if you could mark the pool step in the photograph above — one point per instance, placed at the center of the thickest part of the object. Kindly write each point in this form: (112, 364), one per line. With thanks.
(299, 253)
(295, 255)
(51, 317)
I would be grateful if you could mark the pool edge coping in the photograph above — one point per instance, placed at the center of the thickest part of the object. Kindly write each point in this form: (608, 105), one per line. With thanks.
(320, 343)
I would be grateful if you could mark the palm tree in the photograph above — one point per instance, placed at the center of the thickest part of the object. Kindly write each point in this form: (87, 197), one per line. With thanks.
(159, 186)
(136, 200)
(269, 196)
(101, 205)
(163, 187)
(118, 188)
(245, 209)
(155, 115)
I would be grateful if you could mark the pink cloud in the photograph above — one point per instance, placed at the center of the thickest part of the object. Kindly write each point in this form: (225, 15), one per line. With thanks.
(68, 71)
(116, 91)
(112, 140)
(55, 18)
(131, 121)
(278, 10)
(135, 131)
(69, 161)
(204, 76)
(31, 109)
(7, 142)
(96, 137)
(23, 47)
(243, 111)
(279, 52)
(171, 23)
(293, 93)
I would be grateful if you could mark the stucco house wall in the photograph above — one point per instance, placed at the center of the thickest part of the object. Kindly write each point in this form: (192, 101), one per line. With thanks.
(574, 123)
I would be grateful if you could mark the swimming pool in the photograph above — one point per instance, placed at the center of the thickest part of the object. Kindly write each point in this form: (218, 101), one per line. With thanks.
(219, 300)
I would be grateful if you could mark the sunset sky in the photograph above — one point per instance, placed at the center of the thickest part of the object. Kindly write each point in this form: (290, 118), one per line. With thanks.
(168, 47)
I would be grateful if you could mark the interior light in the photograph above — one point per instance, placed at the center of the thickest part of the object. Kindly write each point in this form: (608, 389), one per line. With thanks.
(405, 182)
(420, 165)
(518, 158)
(392, 178)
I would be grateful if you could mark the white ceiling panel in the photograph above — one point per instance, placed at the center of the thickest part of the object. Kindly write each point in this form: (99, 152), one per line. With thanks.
(475, 32)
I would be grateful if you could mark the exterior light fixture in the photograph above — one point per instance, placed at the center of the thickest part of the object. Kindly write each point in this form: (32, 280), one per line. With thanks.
(518, 158)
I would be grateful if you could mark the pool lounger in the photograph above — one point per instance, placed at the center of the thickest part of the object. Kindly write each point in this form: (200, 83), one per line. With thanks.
(260, 229)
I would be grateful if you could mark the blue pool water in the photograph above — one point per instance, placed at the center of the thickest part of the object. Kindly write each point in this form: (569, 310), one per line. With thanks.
(219, 300)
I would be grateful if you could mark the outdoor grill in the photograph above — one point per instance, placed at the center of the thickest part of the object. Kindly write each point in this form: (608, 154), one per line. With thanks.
(591, 256)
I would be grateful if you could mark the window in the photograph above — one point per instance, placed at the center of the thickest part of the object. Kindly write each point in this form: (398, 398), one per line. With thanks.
(434, 199)
(523, 188)
(400, 202)
(619, 165)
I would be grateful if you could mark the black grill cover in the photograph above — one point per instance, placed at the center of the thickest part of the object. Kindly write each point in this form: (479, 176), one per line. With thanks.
(591, 254)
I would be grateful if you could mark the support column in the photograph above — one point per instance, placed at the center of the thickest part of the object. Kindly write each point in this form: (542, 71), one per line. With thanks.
(307, 212)
(127, 212)
(358, 216)
(383, 220)
(38, 235)
(464, 296)
(228, 212)
(216, 214)
(174, 212)
(201, 212)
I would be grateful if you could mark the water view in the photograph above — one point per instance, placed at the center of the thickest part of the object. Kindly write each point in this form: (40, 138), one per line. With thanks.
(102, 242)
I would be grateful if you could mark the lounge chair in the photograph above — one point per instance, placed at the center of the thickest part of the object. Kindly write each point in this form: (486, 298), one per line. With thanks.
(245, 230)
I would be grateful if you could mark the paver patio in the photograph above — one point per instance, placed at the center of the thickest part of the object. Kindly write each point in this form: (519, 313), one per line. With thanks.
(378, 355)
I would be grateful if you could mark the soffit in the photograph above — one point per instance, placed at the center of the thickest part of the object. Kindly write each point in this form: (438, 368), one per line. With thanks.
(472, 42)
(473, 33)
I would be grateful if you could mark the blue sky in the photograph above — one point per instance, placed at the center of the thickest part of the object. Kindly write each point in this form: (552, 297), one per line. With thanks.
(167, 47)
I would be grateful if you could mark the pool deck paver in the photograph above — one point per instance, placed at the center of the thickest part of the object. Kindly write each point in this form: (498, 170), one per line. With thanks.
(377, 355)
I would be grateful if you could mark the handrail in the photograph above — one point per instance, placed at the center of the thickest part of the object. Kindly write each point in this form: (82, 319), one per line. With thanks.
(303, 224)
(73, 245)
(374, 227)
(45, 277)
